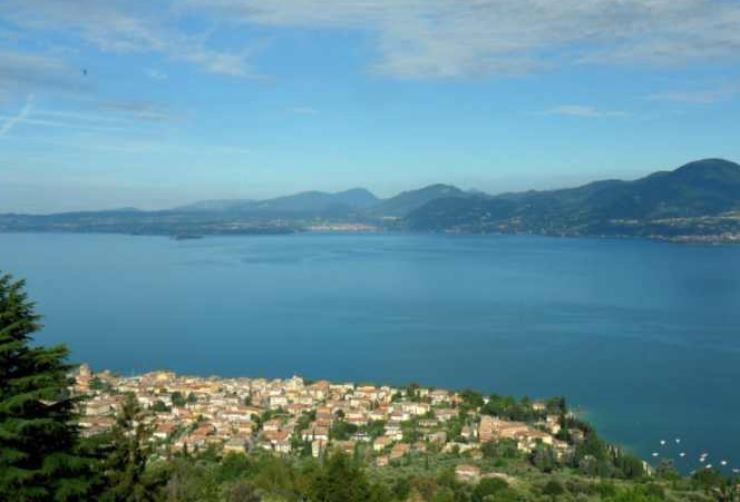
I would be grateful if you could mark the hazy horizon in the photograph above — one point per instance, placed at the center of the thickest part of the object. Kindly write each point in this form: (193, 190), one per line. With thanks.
(65, 204)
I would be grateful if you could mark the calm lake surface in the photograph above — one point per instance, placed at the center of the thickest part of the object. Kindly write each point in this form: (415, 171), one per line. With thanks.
(643, 336)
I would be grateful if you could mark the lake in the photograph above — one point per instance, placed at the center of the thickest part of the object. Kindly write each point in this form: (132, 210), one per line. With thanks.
(644, 337)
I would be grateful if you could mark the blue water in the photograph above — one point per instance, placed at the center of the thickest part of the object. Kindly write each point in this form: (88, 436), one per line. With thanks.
(643, 336)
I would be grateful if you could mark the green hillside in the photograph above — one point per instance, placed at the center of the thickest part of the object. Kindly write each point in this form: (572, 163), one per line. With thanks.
(699, 198)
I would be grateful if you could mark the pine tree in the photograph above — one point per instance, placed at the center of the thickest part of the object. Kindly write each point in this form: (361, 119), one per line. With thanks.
(38, 431)
(125, 464)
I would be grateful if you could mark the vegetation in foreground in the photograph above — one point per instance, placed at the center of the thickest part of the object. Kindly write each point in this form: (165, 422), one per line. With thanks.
(44, 457)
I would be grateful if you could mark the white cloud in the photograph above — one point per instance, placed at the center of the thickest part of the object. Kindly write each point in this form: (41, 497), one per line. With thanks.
(698, 96)
(20, 71)
(139, 110)
(92, 115)
(462, 38)
(412, 38)
(155, 74)
(583, 111)
(21, 116)
(23, 74)
(125, 27)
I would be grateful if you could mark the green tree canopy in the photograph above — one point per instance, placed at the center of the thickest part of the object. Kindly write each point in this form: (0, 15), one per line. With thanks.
(341, 480)
(126, 462)
(543, 458)
(38, 435)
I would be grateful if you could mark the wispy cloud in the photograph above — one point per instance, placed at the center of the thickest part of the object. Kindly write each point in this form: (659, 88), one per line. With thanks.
(698, 96)
(413, 38)
(127, 27)
(583, 111)
(21, 116)
(92, 115)
(155, 74)
(139, 110)
(60, 124)
(20, 71)
(75, 116)
(462, 38)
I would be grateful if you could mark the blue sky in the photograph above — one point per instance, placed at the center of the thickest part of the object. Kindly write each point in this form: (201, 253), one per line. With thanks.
(153, 104)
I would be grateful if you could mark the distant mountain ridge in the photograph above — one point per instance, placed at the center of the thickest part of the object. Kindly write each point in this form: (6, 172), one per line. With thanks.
(699, 201)
(406, 202)
(308, 202)
(665, 202)
(315, 202)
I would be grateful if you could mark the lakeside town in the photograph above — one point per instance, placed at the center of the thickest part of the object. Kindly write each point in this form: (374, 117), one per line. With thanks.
(298, 417)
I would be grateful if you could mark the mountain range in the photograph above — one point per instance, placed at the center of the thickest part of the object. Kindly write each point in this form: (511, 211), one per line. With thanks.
(304, 202)
(699, 201)
(357, 202)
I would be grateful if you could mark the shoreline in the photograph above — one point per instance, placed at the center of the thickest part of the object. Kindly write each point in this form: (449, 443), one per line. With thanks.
(689, 241)
(233, 406)
(238, 404)
(529, 436)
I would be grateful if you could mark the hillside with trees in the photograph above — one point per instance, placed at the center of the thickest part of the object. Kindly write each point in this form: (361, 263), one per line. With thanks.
(700, 200)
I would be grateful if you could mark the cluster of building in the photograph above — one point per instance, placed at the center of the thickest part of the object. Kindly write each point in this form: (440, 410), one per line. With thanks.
(342, 227)
(293, 416)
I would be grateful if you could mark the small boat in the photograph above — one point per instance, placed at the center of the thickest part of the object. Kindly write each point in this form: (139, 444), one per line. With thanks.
(655, 454)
